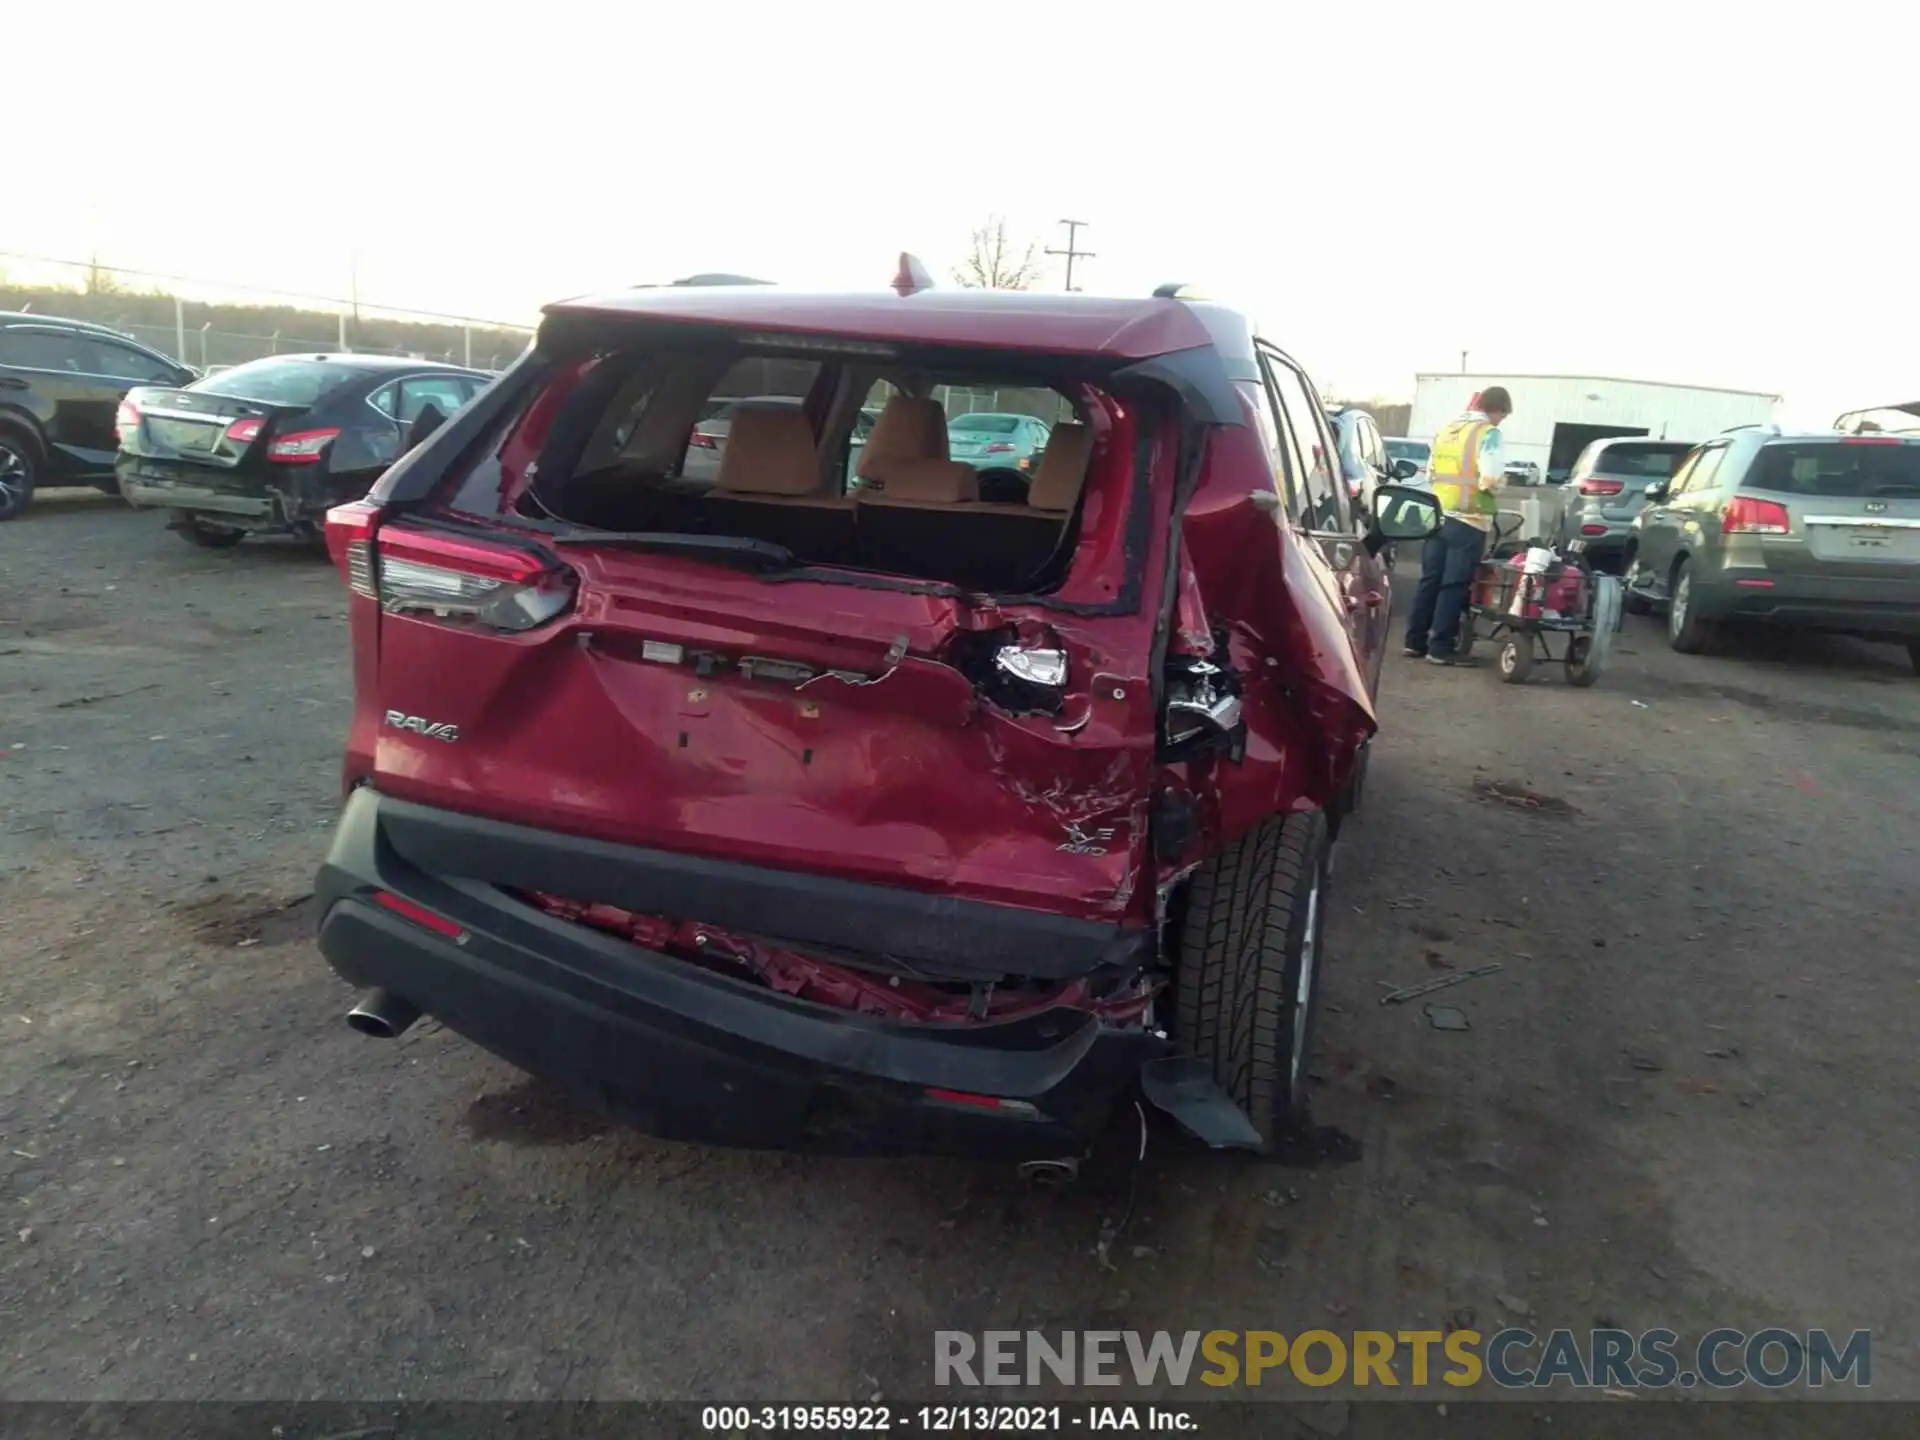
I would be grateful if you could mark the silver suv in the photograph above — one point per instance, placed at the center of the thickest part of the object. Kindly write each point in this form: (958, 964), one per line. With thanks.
(1816, 530)
(1605, 489)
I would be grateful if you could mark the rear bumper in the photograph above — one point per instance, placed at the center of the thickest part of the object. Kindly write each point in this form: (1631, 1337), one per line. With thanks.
(239, 498)
(1853, 606)
(686, 1053)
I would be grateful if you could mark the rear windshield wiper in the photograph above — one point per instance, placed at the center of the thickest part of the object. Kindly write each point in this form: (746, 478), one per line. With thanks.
(738, 549)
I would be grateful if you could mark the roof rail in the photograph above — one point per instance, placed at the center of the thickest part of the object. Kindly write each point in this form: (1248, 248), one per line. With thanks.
(1756, 425)
(1177, 290)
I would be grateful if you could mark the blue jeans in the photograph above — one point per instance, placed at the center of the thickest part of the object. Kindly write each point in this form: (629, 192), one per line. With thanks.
(1447, 563)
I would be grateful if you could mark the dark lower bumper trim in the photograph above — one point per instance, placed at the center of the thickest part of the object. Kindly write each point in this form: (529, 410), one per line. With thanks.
(690, 1054)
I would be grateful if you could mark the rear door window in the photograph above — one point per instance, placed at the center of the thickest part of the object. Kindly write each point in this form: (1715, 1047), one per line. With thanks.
(1327, 506)
(123, 362)
(55, 350)
(1843, 469)
(1703, 473)
(1277, 437)
(446, 393)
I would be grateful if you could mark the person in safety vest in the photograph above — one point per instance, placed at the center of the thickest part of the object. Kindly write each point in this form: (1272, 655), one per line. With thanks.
(1465, 473)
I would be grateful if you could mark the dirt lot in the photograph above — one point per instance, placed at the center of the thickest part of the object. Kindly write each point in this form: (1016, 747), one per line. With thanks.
(1686, 1100)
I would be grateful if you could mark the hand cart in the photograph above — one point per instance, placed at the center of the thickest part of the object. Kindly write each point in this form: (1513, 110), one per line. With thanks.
(1531, 593)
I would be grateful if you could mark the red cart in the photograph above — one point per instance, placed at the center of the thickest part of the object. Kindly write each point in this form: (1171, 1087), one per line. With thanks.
(1536, 593)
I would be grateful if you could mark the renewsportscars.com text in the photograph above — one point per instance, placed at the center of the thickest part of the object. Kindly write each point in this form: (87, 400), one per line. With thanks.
(1514, 1358)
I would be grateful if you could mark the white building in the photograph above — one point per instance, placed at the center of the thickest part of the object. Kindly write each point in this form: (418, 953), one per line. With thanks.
(1555, 417)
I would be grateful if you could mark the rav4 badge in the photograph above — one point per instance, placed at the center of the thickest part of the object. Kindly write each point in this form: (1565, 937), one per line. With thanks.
(420, 725)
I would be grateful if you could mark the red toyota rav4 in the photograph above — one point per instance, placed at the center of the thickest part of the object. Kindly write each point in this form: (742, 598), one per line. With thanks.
(817, 803)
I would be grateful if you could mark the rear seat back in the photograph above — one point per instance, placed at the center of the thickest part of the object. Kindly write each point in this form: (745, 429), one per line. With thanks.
(1055, 487)
(768, 488)
(907, 430)
(928, 520)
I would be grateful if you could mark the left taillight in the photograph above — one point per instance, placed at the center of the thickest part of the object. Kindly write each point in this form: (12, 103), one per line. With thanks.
(1601, 487)
(246, 430)
(446, 578)
(1744, 515)
(302, 447)
(126, 419)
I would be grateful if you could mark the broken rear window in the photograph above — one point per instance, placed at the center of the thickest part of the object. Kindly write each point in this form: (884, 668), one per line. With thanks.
(843, 463)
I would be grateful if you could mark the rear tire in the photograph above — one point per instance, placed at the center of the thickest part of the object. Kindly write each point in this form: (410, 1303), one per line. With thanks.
(1686, 631)
(19, 472)
(1249, 967)
(195, 531)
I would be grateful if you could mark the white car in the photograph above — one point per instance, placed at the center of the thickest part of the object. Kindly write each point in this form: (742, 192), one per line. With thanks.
(1399, 447)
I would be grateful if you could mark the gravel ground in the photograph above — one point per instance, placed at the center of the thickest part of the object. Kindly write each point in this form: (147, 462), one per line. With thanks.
(1686, 1100)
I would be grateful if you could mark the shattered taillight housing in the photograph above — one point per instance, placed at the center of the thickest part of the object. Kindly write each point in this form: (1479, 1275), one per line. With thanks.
(441, 592)
(447, 578)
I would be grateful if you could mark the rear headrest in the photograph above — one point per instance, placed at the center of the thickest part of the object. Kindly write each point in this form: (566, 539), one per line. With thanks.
(927, 482)
(768, 452)
(907, 429)
(1063, 469)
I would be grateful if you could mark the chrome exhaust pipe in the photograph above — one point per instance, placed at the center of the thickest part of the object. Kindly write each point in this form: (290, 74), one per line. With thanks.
(383, 1016)
(1051, 1173)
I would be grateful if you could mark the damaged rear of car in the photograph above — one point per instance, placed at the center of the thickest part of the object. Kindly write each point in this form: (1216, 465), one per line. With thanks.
(813, 802)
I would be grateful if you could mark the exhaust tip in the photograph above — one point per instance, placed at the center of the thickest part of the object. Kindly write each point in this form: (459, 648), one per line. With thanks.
(1051, 1174)
(382, 1016)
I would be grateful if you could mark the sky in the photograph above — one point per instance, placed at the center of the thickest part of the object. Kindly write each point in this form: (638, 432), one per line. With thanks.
(1695, 192)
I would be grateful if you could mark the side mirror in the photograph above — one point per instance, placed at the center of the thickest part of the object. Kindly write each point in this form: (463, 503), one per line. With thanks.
(1657, 490)
(1405, 469)
(1404, 512)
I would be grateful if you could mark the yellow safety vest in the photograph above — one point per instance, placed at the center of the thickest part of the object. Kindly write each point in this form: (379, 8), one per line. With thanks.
(1454, 469)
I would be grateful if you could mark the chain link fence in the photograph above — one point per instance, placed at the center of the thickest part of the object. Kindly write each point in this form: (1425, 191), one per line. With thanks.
(211, 326)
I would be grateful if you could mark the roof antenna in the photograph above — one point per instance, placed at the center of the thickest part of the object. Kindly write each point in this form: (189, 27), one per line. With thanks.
(912, 277)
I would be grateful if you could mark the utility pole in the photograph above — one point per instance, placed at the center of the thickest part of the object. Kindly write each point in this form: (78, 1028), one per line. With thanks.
(1073, 252)
(1463, 362)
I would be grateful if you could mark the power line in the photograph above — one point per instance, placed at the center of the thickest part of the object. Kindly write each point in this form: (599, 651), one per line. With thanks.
(1074, 227)
(352, 304)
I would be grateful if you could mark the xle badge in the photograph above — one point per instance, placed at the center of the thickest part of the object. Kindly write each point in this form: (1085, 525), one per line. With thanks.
(420, 725)
(1087, 842)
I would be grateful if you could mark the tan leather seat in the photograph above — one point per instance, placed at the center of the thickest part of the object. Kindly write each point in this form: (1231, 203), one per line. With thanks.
(767, 489)
(907, 430)
(1055, 487)
(769, 459)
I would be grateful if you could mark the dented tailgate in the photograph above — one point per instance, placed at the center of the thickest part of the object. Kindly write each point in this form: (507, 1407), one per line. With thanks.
(784, 725)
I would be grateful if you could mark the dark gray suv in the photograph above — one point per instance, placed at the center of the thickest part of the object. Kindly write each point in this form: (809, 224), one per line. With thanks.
(1816, 530)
